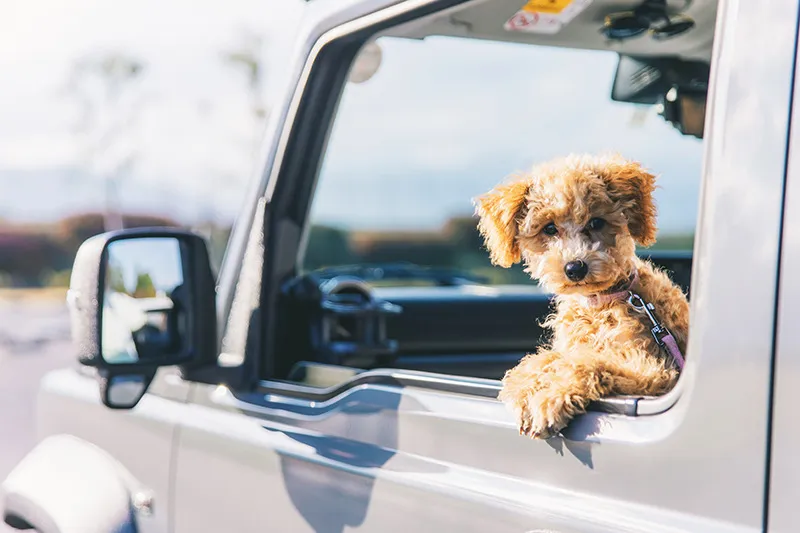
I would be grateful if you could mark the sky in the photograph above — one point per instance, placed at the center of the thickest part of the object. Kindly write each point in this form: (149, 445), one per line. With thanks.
(194, 136)
(442, 120)
(482, 111)
(158, 256)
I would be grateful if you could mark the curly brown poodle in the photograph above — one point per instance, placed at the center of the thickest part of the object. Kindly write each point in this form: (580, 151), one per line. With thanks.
(620, 325)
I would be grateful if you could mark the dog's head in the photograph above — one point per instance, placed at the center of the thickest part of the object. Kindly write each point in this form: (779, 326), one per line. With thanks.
(575, 221)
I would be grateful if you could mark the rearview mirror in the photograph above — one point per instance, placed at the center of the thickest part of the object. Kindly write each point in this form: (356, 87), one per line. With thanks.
(677, 87)
(685, 110)
(141, 299)
(639, 81)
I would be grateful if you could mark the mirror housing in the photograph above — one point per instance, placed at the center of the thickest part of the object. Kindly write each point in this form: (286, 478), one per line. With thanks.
(685, 110)
(123, 391)
(140, 299)
(645, 80)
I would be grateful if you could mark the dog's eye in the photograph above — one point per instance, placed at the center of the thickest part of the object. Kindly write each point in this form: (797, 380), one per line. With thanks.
(596, 224)
(550, 229)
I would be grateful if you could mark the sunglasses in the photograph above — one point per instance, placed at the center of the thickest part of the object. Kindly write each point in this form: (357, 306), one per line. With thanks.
(651, 16)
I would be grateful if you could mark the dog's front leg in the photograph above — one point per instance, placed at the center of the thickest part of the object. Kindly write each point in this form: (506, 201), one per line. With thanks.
(521, 383)
(547, 390)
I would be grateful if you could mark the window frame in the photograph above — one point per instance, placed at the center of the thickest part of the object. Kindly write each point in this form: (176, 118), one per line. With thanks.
(728, 357)
(285, 216)
(281, 217)
(289, 193)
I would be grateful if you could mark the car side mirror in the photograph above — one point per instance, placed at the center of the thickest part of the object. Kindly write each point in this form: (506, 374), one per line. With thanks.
(141, 299)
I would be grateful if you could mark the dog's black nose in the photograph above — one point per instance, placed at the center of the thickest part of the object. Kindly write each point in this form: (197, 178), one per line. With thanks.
(576, 270)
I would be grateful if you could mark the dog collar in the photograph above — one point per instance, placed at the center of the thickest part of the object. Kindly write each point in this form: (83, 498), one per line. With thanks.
(619, 294)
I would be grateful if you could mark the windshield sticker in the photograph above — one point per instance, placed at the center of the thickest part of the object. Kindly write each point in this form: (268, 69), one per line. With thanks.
(545, 16)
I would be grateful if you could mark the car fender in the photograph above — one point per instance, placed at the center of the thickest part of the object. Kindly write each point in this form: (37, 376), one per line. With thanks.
(68, 485)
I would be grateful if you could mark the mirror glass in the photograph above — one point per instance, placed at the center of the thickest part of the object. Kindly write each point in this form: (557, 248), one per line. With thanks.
(143, 298)
(125, 391)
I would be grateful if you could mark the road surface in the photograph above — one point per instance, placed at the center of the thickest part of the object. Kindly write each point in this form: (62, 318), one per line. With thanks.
(34, 338)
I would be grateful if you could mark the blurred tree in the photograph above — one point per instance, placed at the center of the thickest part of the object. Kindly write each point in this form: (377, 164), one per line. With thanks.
(57, 278)
(43, 255)
(107, 93)
(328, 246)
(248, 57)
(25, 257)
(115, 279)
(218, 240)
(144, 286)
(429, 253)
(73, 230)
(463, 233)
(674, 241)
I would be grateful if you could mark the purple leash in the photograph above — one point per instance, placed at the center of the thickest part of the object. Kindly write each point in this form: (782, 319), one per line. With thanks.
(661, 334)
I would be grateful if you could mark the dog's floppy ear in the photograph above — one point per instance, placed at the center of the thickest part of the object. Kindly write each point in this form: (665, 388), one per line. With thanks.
(499, 210)
(632, 187)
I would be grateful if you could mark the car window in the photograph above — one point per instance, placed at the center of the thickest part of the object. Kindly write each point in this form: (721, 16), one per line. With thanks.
(445, 119)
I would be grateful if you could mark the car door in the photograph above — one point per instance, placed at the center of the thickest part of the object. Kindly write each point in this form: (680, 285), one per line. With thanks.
(404, 450)
(141, 440)
(784, 464)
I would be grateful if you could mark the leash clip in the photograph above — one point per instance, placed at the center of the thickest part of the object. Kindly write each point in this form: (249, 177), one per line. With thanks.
(658, 331)
(662, 335)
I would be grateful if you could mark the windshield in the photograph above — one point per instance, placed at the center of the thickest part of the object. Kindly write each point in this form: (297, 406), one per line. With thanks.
(445, 119)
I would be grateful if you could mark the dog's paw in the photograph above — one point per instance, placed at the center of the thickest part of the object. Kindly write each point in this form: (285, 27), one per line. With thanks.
(536, 427)
(538, 433)
(532, 420)
(543, 414)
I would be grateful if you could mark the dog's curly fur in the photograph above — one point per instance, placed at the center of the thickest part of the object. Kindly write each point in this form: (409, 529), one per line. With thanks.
(600, 348)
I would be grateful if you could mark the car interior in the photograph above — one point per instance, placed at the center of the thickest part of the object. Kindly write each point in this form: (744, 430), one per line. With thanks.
(337, 322)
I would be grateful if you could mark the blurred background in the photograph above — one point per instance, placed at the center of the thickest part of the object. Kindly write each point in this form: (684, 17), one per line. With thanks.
(123, 114)
(116, 114)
